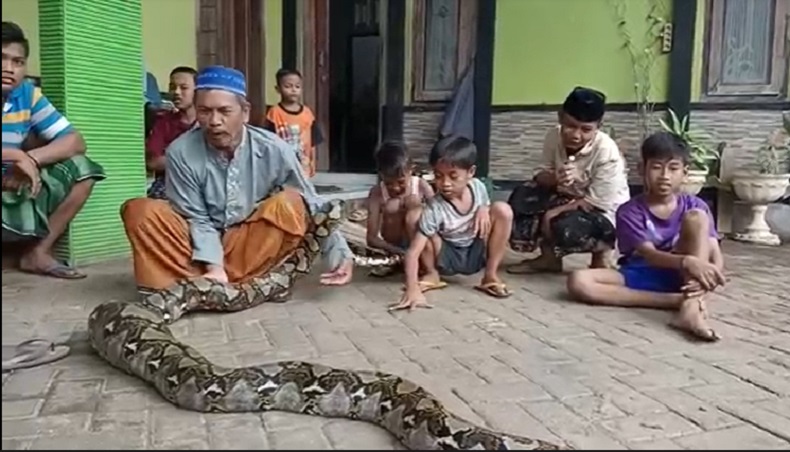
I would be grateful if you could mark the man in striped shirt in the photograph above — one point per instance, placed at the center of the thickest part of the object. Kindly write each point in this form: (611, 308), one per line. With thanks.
(35, 132)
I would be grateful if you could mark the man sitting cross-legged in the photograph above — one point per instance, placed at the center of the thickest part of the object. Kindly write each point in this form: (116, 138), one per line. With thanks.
(222, 218)
(670, 251)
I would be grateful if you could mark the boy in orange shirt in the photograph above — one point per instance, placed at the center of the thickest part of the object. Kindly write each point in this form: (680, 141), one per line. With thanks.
(293, 121)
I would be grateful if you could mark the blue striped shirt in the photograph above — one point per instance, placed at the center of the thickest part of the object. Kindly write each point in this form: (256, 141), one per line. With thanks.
(27, 110)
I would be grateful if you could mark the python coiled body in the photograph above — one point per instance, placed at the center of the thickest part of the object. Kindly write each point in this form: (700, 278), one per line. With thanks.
(135, 338)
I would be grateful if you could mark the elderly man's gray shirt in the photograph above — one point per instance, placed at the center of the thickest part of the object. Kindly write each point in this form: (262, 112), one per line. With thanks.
(214, 193)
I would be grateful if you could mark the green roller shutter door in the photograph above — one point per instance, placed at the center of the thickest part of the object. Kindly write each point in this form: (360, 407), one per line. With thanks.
(91, 67)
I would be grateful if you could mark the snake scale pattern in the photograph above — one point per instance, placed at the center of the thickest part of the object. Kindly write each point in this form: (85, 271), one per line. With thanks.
(135, 338)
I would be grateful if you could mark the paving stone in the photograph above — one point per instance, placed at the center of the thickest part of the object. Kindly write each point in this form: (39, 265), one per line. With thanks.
(190, 444)
(730, 393)
(122, 421)
(650, 427)
(745, 437)
(304, 439)
(171, 425)
(73, 397)
(22, 408)
(350, 435)
(764, 419)
(594, 408)
(515, 392)
(60, 424)
(27, 383)
(511, 418)
(129, 439)
(777, 384)
(327, 340)
(577, 432)
(778, 406)
(236, 431)
(658, 444)
(240, 330)
(703, 414)
(625, 398)
(377, 350)
(533, 364)
(16, 444)
(274, 421)
(490, 369)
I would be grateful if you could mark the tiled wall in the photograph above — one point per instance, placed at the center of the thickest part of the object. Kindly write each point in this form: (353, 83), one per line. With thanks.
(516, 137)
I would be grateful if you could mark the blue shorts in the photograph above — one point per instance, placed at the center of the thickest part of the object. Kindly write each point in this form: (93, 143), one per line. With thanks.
(639, 275)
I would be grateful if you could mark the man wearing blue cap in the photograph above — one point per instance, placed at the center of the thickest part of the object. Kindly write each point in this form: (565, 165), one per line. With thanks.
(220, 220)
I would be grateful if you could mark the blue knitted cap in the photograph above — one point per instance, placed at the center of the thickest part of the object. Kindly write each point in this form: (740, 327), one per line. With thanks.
(222, 78)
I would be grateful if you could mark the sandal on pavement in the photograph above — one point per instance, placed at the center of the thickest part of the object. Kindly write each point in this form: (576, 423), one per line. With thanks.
(427, 286)
(32, 353)
(494, 289)
(59, 271)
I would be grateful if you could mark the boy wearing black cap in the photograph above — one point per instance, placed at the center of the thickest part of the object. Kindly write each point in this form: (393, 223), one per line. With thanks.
(570, 204)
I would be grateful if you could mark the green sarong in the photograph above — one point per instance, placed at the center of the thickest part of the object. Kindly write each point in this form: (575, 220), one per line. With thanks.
(26, 217)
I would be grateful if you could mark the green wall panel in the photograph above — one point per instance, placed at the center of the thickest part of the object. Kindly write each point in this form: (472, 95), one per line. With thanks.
(91, 69)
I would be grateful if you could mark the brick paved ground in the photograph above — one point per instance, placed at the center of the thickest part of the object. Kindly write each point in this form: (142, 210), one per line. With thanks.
(533, 365)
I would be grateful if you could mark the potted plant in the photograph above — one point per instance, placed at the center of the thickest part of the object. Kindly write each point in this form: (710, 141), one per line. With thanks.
(703, 157)
(765, 186)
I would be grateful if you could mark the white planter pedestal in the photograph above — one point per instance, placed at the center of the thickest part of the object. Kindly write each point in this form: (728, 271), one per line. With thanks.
(694, 182)
(759, 190)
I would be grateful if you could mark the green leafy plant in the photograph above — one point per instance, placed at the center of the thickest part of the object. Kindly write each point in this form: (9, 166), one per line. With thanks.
(643, 55)
(773, 156)
(703, 157)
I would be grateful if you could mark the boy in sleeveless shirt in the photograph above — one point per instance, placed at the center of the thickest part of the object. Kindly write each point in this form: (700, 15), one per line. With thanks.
(398, 191)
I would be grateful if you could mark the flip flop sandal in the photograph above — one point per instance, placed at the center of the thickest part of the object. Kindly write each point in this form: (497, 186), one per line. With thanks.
(494, 289)
(427, 286)
(60, 271)
(32, 353)
(358, 216)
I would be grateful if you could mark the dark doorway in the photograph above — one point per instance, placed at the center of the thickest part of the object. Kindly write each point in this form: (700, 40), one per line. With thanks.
(231, 34)
(355, 51)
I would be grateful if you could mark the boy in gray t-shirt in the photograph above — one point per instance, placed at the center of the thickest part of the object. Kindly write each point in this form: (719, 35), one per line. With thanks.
(459, 231)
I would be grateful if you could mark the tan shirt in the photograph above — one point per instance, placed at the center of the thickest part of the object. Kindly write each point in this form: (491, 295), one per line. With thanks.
(602, 169)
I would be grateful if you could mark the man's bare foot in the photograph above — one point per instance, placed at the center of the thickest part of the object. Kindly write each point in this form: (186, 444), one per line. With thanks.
(40, 263)
(692, 319)
(540, 264)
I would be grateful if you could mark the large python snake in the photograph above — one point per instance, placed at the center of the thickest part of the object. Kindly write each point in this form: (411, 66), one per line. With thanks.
(135, 338)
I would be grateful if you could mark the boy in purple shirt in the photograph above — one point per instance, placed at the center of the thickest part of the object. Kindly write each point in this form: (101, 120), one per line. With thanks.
(670, 255)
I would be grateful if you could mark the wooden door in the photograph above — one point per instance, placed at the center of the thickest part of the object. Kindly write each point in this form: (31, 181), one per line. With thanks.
(315, 69)
(231, 33)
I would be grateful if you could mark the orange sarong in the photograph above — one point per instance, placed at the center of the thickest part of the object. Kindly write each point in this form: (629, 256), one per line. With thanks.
(162, 248)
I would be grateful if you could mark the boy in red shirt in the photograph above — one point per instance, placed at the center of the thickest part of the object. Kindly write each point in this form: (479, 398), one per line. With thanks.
(170, 125)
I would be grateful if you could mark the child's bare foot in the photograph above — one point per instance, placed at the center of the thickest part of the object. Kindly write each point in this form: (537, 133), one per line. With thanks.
(692, 319)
